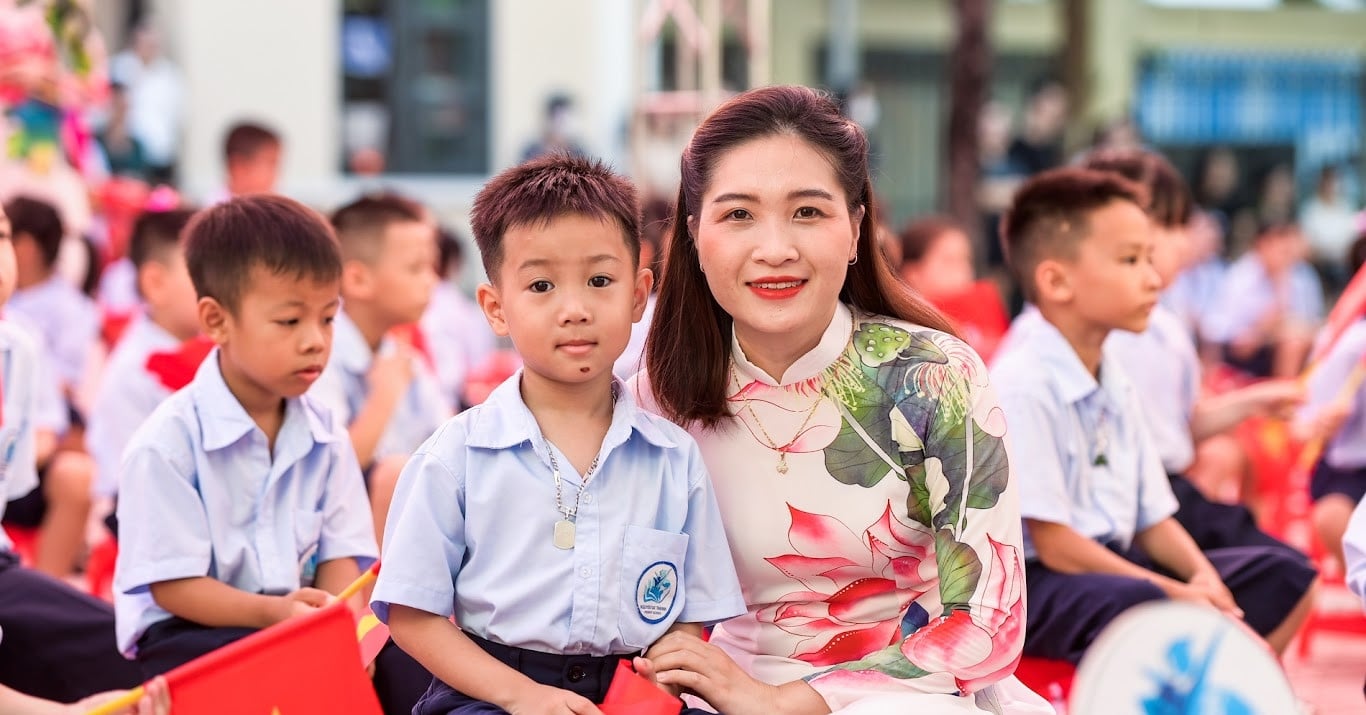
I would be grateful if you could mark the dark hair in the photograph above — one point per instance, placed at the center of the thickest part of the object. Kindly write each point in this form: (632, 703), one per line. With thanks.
(224, 243)
(155, 233)
(918, 236)
(1051, 213)
(360, 225)
(40, 220)
(686, 353)
(244, 139)
(448, 250)
(538, 191)
(1169, 197)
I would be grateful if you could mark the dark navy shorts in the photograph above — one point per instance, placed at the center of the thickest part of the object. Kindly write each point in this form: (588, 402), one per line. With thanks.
(586, 675)
(1215, 525)
(1326, 480)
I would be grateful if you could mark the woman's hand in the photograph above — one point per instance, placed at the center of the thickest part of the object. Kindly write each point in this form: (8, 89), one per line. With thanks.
(689, 663)
(548, 700)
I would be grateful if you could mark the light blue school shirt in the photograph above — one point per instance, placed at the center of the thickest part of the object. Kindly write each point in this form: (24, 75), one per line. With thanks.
(343, 388)
(470, 533)
(1354, 551)
(201, 495)
(1248, 293)
(67, 321)
(23, 378)
(1347, 448)
(1059, 421)
(128, 393)
(1164, 368)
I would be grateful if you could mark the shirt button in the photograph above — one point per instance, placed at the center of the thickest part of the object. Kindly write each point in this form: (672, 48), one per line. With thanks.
(586, 572)
(575, 674)
(587, 498)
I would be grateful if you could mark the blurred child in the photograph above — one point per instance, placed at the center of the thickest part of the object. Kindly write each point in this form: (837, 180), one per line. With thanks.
(240, 501)
(1100, 536)
(66, 321)
(48, 630)
(1268, 306)
(251, 159)
(130, 389)
(564, 528)
(936, 260)
(376, 385)
(457, 335)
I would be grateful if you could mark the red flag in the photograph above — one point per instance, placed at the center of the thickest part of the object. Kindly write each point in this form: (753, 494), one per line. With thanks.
(304, 666)
(175, 369)
(372, 635)
(630, 694)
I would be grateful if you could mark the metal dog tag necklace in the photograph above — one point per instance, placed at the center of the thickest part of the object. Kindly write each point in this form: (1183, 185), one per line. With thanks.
(564, 528)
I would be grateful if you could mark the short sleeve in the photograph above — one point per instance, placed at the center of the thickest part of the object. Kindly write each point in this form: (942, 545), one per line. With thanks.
(163, 527)
(713, 589)
(348, 528)
(424, 540)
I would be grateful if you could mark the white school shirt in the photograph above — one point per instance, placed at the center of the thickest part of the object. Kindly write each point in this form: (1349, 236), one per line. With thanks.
(22, 377)
(343, 388)
(1347, 448)
(1247, 293)
(127, 395)
(1164, 367)
(471, 528)
(1354, 550)
(1061, 421)
(458, 337)
(201, 495)
(67, 321)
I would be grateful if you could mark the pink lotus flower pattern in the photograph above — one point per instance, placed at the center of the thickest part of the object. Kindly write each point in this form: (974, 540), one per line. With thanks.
(847, 608)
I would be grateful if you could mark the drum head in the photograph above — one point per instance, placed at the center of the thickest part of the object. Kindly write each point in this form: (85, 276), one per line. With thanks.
(1173, 658)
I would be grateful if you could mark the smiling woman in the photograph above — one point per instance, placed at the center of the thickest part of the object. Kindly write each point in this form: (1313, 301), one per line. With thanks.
(855, 444)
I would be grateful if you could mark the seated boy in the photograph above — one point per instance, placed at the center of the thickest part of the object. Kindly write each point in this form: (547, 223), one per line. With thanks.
(55, 642)
(457, 335)
(1098, 510)
(240, 501)
(251, 161)
(378, 386)
(129, 391)
(67, 325)
(615, 536)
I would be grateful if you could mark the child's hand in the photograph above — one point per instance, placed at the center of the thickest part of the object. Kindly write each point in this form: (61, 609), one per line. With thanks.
(1323, 425)
(1277, 398)
(646, 669)
(390, 374)
(156, 700)
(1209, 588)
(547, 700)
(301, 602)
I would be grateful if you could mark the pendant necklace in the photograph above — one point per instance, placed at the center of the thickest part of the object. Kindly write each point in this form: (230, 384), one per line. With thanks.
(564, 528)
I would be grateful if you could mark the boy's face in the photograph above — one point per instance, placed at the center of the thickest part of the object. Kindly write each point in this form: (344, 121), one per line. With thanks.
(277, 341)
(1171, 249)
(567, 293)
(1111, 282)
(170, 294)
(255, 174)
(399, 283)
(8, 272)
(28, 260)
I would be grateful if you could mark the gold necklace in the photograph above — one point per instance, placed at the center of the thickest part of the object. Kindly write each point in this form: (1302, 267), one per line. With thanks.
(783, 449)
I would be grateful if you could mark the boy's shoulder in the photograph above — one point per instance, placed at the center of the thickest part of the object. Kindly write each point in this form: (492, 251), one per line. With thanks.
(19, 339)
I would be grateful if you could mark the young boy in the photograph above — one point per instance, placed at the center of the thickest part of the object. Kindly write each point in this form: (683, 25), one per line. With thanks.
(49, 630)
(1099, 532)
(67, 325)
(1269, 304)
(251, 160)
(376, 385)
(457, 335)
(562, 526)
(129, 391)
(240, 501)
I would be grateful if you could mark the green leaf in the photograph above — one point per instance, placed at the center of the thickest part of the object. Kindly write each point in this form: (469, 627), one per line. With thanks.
(889, 661)
(990, 469)
(863, 452)
(959, 570)
(918, 501)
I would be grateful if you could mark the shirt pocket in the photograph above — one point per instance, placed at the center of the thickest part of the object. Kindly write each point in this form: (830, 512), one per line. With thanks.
(308, 529)
(651, 584)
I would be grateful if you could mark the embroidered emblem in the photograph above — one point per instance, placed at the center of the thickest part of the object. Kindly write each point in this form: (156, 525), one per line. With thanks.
(656, 591)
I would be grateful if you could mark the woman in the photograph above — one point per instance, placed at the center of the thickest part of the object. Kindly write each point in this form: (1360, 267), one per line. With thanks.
(855, 445)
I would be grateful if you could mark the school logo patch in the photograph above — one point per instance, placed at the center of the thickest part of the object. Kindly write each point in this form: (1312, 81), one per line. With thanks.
(656, 591)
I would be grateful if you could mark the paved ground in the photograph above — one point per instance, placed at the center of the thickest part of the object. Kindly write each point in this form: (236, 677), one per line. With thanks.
(1331, 677)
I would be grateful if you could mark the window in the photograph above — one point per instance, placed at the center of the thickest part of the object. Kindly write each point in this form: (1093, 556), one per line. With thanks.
(415, 85)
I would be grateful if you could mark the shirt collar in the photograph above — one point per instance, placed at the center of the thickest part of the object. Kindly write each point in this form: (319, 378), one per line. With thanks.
(1074, 382)
(505, 421)
(223, 421)
(349, 347)
(832, 344)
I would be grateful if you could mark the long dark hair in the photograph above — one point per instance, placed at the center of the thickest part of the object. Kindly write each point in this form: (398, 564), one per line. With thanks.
(688, 347)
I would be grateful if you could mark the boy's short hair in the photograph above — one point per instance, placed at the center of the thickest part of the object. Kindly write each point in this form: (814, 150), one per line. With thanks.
(40, 220)
(1050, 215)
(545, 188)
(156, 233)
(244, 139)
(360, 225)
(1169, 197)
(223, 243)
(449, 251)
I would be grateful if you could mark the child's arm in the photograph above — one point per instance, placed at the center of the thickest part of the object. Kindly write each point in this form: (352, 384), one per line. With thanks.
(337, 574)
(1063, 549)
(388, 379)
(442, 648)
(1219, 413)
(210, 602)
(1169, 545)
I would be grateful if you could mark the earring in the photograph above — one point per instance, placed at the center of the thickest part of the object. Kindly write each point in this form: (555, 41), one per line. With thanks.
(853, 260)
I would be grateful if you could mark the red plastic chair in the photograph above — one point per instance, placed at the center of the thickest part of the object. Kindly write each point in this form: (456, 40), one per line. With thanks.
(1051, 679)
(25, 543)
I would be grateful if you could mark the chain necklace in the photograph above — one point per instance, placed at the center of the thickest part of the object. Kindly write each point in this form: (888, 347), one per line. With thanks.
(564, 528)
(783, 449)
